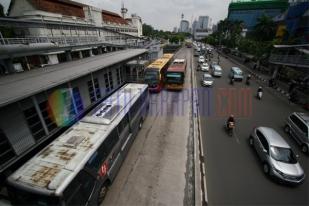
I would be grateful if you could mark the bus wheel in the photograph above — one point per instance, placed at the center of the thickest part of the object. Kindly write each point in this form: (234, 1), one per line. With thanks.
(103, 192)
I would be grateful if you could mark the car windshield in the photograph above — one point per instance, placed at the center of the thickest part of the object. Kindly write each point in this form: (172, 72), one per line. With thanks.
(285, 155)
(208, 78)
(237, 71)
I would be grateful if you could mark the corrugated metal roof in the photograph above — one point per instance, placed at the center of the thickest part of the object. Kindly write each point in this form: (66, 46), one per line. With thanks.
(19, 86)
(54, 167)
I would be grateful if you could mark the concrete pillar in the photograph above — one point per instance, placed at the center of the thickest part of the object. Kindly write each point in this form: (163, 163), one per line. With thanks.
(275, 72)
(100, 50)
(91, 53)
(80, 54)
(9, 66)
(27, 63)
(68, 56)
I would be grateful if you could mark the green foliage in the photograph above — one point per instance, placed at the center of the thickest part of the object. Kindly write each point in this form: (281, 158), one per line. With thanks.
(265, 29)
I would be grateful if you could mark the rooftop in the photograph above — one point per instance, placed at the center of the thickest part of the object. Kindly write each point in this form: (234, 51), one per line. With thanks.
(258, 4)
(18, 86)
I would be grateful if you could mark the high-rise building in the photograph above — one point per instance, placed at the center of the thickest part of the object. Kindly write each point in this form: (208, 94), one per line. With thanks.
(204, 22)
(184, 26)
(248, 11)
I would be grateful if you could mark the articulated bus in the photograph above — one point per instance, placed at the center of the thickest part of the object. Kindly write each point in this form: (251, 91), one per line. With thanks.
(155, 73)
(175, 75)
(78, 167)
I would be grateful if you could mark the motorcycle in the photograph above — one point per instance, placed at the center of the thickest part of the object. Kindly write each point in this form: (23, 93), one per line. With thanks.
(259, 95)
(247, 82)
(230, 128)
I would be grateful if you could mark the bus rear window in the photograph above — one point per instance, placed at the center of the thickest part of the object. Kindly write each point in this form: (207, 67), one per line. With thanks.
(21, 197)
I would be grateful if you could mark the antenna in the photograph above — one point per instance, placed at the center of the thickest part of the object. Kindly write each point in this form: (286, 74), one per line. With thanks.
(123, 10)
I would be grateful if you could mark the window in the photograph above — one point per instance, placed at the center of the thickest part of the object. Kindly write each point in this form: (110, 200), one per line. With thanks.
(51, 125)
(6, 151)
(34, 123)
(262, 139)
(123, 123)
(94, 92)
(79, 190)
(110, 77)
(78, 100)
(104, 150)
(107, 87)
(135, 107)
(118, 73)
(299, 124)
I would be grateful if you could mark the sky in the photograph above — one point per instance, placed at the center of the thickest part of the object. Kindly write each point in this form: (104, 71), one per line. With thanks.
(163, 14)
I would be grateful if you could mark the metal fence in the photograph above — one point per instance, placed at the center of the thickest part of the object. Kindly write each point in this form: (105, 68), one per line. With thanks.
(296, 60)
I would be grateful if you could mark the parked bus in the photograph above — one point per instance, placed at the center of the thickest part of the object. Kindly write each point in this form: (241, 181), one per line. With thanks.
(78, 167)
(175, 75)
(155, 73)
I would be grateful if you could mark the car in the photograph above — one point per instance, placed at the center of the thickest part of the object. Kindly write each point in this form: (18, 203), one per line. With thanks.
(236, 73)
(207, 80)
(279, 160)
(216, 71)
(201, 59)
(297, 126)
(213, 64)
(204, 67)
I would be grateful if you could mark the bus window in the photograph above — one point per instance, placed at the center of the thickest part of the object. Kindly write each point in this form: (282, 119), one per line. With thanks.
(80, 189)
(123, 124)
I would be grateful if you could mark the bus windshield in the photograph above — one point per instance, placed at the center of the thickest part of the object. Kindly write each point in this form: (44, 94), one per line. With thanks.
(174, 77)
(151, 77)
(21, 197)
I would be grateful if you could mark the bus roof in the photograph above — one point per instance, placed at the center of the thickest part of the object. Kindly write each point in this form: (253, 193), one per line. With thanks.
(51, 170)
(161, 62)
(179, 65)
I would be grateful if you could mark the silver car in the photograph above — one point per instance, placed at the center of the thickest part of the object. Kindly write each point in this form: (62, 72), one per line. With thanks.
(276, 155)
(207, 80)
(297, 125)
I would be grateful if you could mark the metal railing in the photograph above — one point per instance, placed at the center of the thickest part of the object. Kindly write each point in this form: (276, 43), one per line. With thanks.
(297, 60)
(69, 40)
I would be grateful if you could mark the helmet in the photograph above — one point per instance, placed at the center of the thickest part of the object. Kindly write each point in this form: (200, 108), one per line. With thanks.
(232, 115)
(249, 75)
(260, 87)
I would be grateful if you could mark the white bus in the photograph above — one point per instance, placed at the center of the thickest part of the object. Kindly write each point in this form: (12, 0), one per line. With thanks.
(78, 167)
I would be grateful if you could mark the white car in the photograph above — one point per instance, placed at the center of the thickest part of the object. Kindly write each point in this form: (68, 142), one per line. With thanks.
(207, 80)
(201, 59)
(216, 71)
(205, 67)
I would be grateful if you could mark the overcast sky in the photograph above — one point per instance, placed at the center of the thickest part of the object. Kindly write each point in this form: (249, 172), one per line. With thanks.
(163, 14)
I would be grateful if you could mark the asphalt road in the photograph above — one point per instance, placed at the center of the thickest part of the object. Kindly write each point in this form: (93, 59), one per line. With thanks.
(233, 172)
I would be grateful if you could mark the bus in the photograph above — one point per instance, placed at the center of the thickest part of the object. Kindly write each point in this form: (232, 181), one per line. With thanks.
(175, 75)
(155, 73)
(78, 167)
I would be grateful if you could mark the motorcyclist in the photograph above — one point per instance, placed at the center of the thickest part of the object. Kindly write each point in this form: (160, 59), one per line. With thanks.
(248, 77)
(232, 80)
(231, 119)
(260, 89)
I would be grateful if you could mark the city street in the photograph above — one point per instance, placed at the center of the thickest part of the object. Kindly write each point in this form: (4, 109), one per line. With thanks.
(233, 172)
(158, 168)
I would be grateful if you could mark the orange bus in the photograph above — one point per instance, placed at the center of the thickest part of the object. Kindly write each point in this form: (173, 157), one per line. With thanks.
(155, 73)
(175, 75)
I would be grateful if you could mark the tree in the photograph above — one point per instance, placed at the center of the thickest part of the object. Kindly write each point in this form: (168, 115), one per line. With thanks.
(147, 30)
(265, 29)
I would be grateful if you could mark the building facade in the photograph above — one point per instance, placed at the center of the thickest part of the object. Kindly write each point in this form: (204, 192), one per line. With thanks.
(248, 11)
(184, 26)
(204, 22)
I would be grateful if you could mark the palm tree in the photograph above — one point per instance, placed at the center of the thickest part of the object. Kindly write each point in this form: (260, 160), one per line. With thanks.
(265, 29)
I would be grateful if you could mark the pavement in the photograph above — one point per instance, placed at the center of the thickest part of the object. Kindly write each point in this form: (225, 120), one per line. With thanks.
(233, 171)
(159, 168)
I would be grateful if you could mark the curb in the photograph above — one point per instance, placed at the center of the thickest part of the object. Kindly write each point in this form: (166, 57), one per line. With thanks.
(201, 197)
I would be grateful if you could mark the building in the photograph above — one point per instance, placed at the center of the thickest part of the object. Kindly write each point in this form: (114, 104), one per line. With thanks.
(248, 11)
(184, 26)
(136, 21)
(64, 52)
(200, 34)
(204, 22)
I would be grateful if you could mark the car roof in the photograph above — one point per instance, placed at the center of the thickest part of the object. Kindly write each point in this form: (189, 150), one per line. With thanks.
(236, 69)
(303, 116)
(217, 67)
(207, 75)
(273, 137)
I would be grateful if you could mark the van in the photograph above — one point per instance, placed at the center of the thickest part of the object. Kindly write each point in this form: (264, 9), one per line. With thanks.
(236, 73)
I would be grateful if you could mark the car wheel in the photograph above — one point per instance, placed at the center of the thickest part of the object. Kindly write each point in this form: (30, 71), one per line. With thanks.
(266, 168)
(251, 141)
(102, 193)
(304, 148)
(287, 129)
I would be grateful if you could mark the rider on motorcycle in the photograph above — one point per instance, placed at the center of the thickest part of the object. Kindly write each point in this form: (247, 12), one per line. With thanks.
(230, 120)
(248, 77)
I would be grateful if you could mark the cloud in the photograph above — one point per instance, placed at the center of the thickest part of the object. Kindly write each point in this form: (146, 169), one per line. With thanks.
(166, 14)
